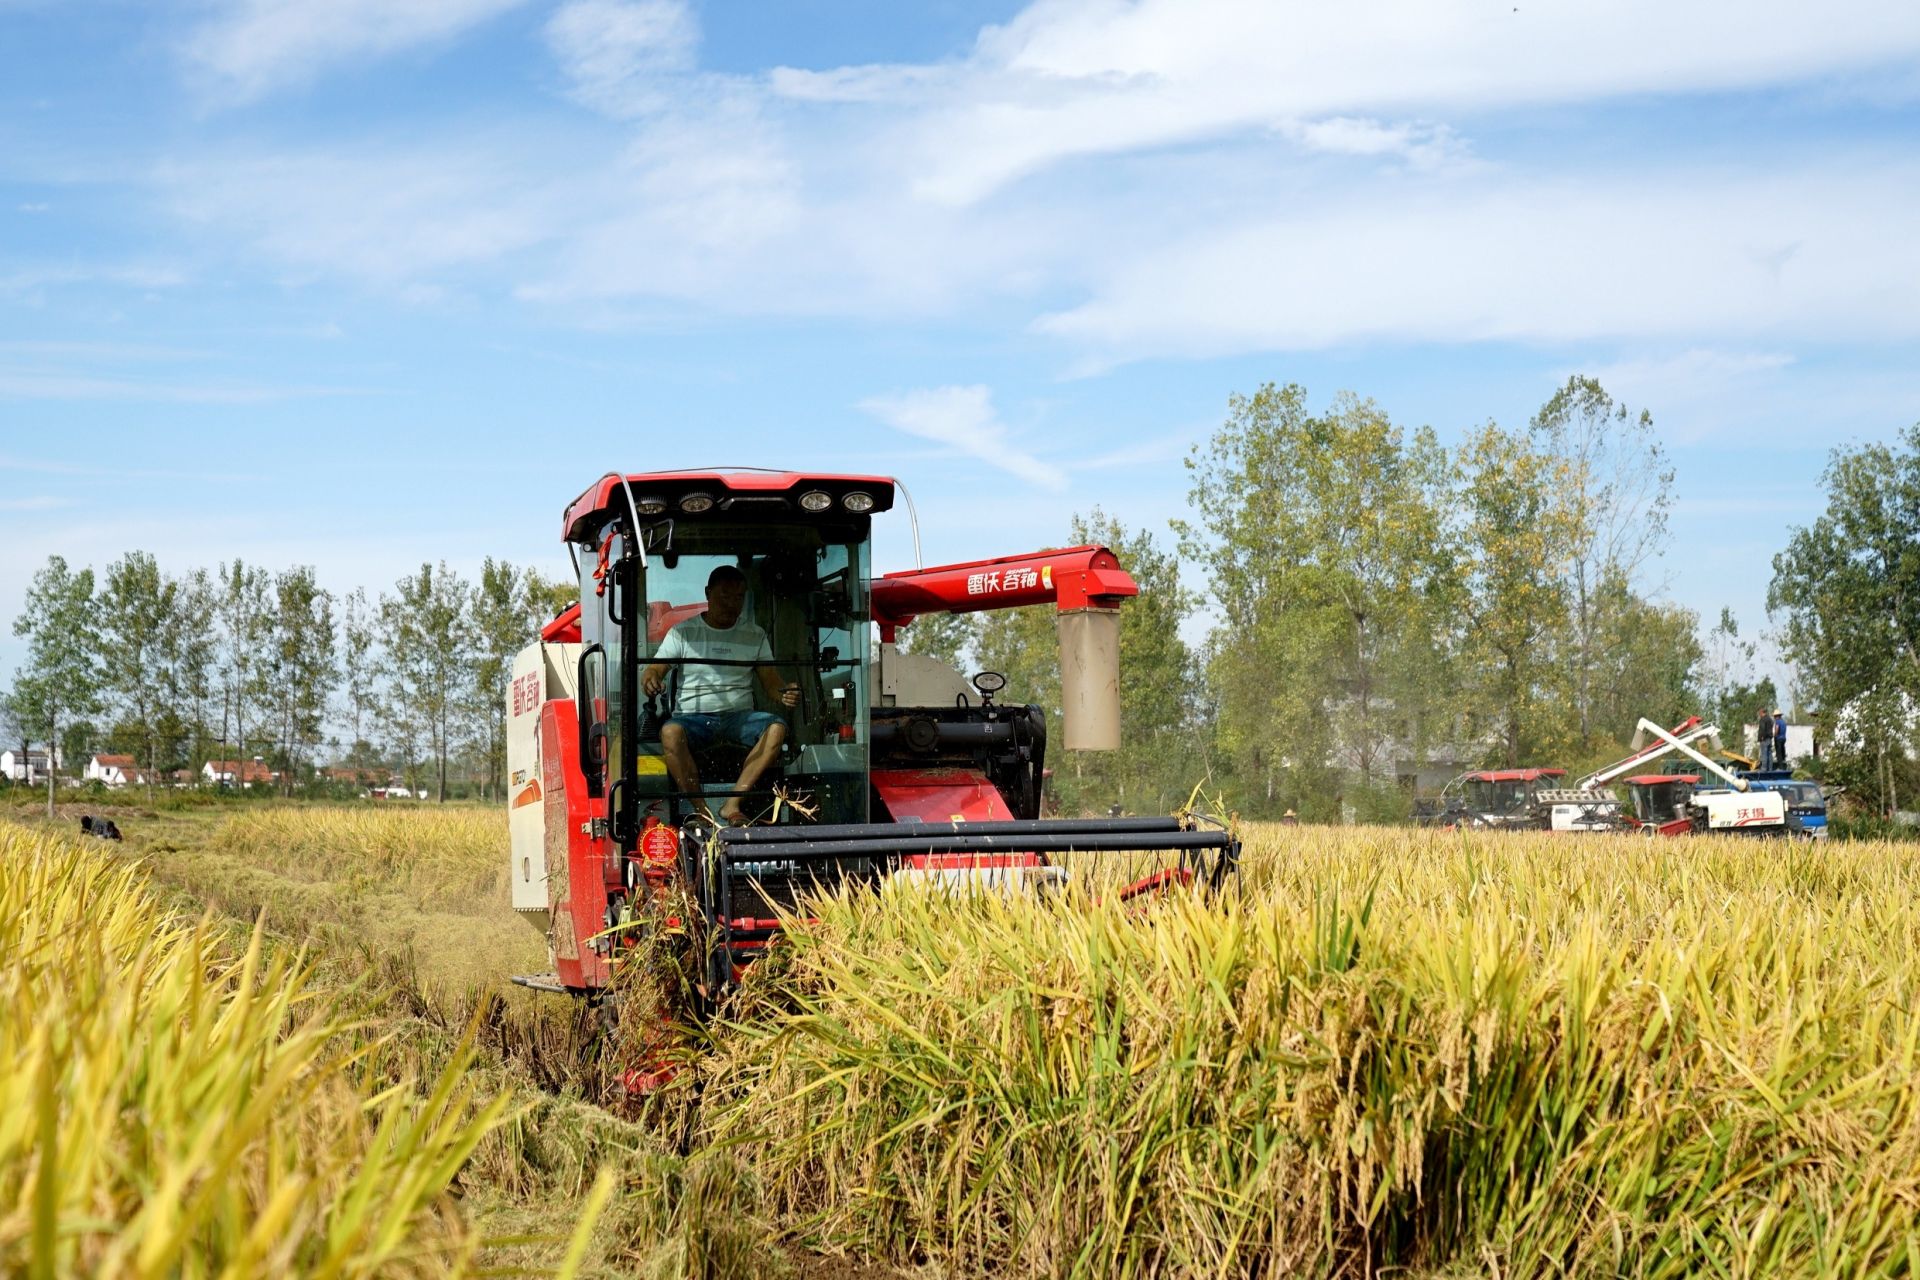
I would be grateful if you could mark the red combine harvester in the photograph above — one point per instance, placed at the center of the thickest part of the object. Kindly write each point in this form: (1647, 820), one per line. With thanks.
(889, 764)
(1672, 804)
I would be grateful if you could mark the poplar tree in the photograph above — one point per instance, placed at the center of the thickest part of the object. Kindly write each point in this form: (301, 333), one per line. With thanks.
(1515, 540)
(246, 631)
(135, 611)
(429, 657)
(359, 667)
(301, 666)
(60, 680)
(505, 621)
(1614, 488)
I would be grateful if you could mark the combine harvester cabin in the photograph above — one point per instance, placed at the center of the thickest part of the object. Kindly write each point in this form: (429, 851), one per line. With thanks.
(887, 763)
(1506, 799)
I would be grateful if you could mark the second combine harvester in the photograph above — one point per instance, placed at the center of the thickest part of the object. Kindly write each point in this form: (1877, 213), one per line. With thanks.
(891, 764)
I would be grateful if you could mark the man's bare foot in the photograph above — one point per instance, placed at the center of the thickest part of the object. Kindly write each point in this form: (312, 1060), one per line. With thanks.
(732, 814)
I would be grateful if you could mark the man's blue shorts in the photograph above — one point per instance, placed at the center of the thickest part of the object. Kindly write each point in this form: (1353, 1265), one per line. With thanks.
(740, 728)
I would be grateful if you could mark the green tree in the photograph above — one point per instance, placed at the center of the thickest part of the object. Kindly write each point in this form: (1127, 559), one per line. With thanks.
(190, 649)
(302, 672)
(359, 669)
(246, 635)
(1848, 586)
(1614, 488)
(1156, 758)
(547, 598)
(1643, 662)
(947, 637)
(429, 660)
(60, 680)
(1160, 756)
(1515, 539)
(509, 607)
(1729, 695)
(135, 612)
(1325, 541)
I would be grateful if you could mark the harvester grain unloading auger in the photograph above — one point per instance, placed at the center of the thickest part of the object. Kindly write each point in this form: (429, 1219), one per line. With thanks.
(887, 764)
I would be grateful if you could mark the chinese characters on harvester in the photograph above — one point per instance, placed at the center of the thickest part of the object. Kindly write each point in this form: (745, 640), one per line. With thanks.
(993, 581)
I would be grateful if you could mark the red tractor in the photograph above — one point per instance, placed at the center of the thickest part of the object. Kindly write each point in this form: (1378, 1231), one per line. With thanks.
(888, 764)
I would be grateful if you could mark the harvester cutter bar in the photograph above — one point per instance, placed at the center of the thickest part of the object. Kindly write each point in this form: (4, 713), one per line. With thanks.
(883, 831)
(912, 842)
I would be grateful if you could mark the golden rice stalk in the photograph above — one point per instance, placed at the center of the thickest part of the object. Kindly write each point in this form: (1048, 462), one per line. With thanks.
(170, 1108)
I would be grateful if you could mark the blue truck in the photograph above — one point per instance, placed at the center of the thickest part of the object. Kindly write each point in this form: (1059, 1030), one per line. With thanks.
(1805, 800)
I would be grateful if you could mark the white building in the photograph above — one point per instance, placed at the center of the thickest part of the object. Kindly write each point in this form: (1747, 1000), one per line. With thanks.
(1800, 743)
(27, 768)
(114, 771)
(225, 773)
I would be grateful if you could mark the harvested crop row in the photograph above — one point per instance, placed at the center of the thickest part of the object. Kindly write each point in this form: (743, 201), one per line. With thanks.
(168, 1107)
(448, 858)
(1600, 1056)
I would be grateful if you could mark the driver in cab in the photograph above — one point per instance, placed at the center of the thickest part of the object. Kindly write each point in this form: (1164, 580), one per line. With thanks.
(715, 702)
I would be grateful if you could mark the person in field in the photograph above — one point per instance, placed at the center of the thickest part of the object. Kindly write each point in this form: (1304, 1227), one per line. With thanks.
(714, 703)
(1763, 738)
(1780, 738)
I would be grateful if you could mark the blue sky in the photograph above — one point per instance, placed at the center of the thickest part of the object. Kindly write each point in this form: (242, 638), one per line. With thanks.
(360, 283)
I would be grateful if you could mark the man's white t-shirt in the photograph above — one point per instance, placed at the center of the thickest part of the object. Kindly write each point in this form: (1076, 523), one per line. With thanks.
(715, 690)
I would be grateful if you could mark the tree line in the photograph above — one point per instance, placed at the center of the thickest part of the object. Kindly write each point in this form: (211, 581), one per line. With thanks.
(1373, 610)
(1348, 610)
(240, 663)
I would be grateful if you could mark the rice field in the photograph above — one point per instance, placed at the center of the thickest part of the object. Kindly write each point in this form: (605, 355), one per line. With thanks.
(1385, 1050)
(171, 1106)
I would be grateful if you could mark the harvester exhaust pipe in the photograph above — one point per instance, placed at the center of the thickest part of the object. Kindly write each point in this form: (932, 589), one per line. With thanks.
(1090, 678)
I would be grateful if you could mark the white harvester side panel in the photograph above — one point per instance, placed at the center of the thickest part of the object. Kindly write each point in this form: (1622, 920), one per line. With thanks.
(542, 673)
(1742, 810)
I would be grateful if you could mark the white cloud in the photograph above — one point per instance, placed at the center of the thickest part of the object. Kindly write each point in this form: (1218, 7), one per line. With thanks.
(38, 278)
(40, 502)
(250, 48)
(390, 215)
(619, 55)
(1425, 146)
(963, 419)
(1671, 255)
(1070, 78)
(42, 384)
(1295, 176)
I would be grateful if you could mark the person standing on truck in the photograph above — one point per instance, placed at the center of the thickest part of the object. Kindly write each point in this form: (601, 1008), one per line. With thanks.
(1763, 738)
(715, 703)
(1780, 738)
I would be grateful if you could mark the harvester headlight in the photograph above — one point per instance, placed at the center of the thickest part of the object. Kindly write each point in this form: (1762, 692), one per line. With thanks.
(694, 503)
(815, 500)
(857, 502)
(651, 506)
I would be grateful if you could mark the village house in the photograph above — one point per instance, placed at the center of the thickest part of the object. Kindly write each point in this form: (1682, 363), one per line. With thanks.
(25, 767)
(113, 770)
(227, 773)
